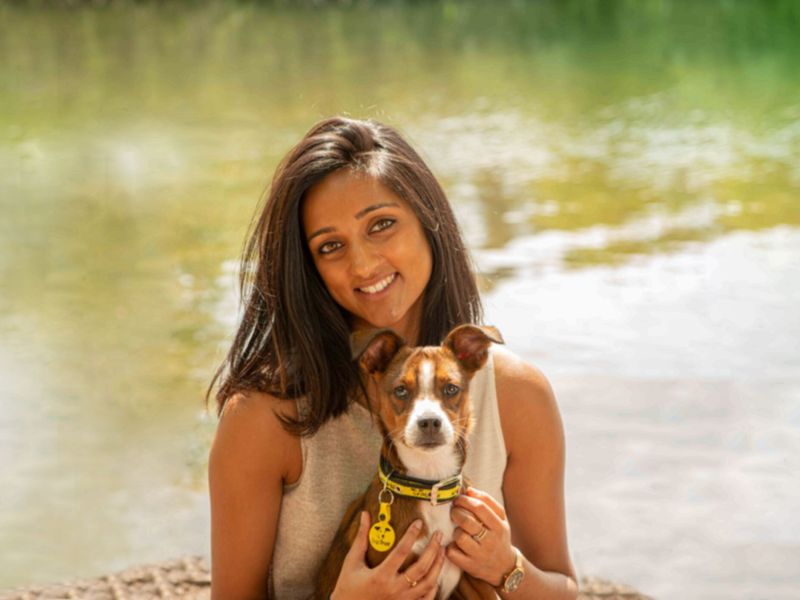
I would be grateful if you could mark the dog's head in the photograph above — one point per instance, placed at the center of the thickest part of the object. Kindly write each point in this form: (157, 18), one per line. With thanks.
(423, 402)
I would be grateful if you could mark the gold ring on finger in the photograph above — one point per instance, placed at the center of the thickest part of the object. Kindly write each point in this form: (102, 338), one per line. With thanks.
(481, 534)
(411, 583)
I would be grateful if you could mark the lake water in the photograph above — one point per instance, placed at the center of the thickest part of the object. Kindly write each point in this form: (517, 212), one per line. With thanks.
(627, 177)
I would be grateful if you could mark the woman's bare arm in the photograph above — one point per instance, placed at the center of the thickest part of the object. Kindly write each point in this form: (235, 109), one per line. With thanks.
(533, 485)
(250, 459)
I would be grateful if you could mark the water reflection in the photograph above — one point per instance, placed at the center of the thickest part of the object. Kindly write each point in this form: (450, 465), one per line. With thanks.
(575, 182)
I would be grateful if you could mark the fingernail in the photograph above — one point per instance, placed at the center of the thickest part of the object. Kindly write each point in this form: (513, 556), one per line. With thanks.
(438, 536)
(416, 525)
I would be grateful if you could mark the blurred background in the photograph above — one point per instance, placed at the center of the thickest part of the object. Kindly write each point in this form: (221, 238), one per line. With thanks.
(627, 174)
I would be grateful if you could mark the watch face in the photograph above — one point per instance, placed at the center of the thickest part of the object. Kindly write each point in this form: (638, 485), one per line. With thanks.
(514, 580)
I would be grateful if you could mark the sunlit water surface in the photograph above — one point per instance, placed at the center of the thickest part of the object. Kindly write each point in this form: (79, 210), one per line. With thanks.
(628, 182)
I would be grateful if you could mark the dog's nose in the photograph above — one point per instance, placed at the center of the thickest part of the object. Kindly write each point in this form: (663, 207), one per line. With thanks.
(429, 424)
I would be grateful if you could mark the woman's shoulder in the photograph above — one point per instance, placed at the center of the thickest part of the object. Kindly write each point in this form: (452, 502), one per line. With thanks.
(525, 398)
(257, 405)
(511, 372)
(251, 436)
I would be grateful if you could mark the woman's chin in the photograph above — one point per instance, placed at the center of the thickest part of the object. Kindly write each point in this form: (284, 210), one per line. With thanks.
(379, 321)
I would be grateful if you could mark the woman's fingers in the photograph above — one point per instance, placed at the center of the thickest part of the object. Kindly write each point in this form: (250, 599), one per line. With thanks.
(481, 511)
(466, 520)
(456, 556)
(358, 550)
(400, 552)
(423, 564)
(465, 541)
(430, 583)
(489, 500)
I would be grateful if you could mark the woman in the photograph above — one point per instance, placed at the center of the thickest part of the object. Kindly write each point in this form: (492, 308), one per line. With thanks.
(357, 233)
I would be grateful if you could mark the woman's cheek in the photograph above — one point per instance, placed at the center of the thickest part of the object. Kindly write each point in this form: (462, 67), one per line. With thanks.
(331, 282)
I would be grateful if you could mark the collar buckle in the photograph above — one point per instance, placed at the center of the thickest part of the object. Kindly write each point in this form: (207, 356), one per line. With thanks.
(435, 492)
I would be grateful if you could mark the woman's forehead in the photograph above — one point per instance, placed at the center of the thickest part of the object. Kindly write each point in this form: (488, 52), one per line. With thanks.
(346, 194)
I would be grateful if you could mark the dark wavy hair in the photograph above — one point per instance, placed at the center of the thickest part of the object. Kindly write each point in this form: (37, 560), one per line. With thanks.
(293, 338)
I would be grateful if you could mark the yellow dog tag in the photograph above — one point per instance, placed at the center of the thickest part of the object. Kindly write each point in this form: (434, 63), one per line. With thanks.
(381, 534)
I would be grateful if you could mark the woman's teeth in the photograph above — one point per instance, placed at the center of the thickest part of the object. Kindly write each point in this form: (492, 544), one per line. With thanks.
(380, 286)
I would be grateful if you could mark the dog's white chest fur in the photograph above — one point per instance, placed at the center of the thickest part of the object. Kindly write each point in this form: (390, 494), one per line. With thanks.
(435, 465)
(438, 518)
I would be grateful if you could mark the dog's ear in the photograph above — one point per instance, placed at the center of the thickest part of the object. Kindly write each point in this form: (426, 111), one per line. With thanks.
(375, 348)
(470, 344)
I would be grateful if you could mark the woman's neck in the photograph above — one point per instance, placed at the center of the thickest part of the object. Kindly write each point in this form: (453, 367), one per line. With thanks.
(408, 327)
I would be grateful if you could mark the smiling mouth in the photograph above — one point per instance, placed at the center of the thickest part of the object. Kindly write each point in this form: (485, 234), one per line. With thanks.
(380, 286)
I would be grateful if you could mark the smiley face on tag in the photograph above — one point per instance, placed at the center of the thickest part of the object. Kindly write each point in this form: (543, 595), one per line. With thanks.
(381, 536)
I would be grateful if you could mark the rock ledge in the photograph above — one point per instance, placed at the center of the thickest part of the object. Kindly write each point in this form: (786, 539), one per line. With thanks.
(189, 579)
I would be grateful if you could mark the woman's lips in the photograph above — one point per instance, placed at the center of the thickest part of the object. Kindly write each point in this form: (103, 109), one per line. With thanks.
(378, 287)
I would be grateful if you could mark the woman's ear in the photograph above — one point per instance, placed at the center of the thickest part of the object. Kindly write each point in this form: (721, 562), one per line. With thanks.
(375, 348)
(470, 344)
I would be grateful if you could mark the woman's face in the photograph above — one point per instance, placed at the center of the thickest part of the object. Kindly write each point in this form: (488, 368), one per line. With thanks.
(370, 250)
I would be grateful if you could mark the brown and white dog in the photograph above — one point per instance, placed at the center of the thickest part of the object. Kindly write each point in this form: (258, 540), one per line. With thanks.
(420, 397)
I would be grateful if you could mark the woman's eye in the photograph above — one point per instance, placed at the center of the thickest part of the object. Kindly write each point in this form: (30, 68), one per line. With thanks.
(328, 247)
(382, 224)
(451, 390)
(401, 392)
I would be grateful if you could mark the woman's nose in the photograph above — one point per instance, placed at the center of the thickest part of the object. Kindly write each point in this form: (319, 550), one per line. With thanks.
(363, 261)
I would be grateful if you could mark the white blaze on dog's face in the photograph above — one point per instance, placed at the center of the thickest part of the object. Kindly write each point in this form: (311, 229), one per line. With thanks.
(427, 425)
(424, 401)
(432, 413)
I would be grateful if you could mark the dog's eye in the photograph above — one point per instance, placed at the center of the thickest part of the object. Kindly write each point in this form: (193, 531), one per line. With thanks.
(451, 389)
(401, 392)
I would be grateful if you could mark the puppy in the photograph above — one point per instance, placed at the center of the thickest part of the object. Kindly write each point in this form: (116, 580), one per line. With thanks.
(420, 398)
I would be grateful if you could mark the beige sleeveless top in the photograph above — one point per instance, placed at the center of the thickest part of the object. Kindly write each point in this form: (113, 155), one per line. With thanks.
(340, 460)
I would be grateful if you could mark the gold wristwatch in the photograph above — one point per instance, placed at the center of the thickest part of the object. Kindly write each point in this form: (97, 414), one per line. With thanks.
(513, 580)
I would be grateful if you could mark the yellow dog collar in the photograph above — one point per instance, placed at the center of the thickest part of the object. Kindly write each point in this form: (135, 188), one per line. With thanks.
(437, 492)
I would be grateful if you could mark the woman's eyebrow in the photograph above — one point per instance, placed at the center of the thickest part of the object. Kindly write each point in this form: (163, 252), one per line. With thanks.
(360, 214)
(320, 232)
(372, 207)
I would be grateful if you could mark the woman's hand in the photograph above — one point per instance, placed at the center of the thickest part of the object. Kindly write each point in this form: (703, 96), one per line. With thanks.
(490, 557)
(418, 581)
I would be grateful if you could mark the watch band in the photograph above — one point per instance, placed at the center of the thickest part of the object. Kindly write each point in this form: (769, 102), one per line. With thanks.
(514, 578)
